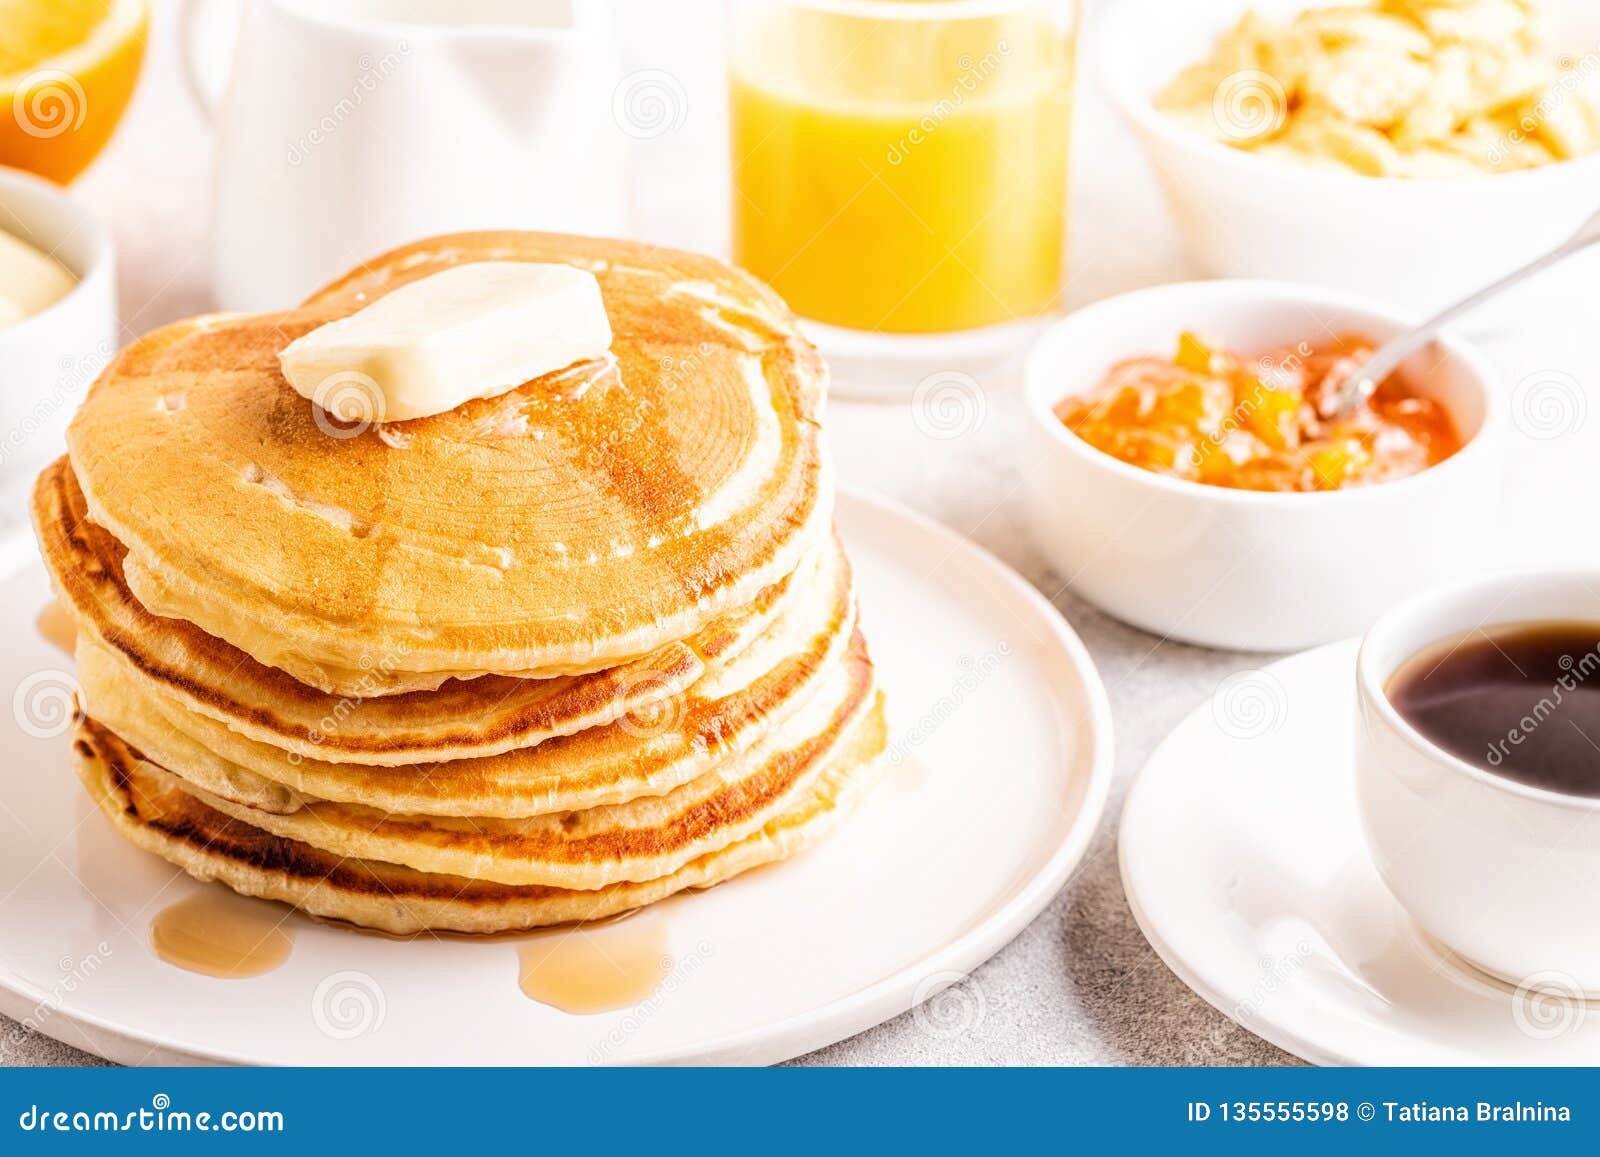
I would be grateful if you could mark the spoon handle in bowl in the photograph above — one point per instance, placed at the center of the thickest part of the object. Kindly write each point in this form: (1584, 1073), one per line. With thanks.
(1392, 354)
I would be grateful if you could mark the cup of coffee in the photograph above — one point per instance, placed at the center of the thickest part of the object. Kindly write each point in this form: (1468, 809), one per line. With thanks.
(1478, 771)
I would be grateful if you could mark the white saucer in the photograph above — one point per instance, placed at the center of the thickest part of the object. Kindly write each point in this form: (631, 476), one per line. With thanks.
(1007, 741)
(1244, 864)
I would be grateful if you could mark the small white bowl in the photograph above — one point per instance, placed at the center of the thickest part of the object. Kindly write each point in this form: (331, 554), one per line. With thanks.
(1500, 872)
(1419, 243)
(47, 361)
(1241, 569)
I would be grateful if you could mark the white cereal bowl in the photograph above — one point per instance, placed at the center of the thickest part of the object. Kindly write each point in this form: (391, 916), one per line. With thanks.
(1238, 569)
(48, 360)
(1500, 872)
(1419, 243)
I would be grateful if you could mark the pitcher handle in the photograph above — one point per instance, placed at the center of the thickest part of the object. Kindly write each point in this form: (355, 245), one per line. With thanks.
(206, 90)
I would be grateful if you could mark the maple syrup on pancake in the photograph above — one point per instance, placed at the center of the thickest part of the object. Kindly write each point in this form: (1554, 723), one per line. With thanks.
(221, 934)
(58, 626)
(595, 968)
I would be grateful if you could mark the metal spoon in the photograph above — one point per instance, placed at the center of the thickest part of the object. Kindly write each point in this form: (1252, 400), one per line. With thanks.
(1393, 353)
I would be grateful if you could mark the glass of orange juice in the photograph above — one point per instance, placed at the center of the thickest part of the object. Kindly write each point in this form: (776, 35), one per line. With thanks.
(900, 166)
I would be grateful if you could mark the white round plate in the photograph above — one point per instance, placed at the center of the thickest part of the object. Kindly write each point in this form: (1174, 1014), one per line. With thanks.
(1244, 864)
(1004, 739)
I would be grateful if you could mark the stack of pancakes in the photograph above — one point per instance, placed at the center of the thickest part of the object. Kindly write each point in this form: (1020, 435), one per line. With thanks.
(546, 657)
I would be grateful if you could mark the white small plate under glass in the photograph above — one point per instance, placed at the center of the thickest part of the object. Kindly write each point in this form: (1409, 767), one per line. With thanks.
(888, 367)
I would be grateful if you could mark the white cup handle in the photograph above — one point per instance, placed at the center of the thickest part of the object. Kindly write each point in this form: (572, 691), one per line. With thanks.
(205, 82)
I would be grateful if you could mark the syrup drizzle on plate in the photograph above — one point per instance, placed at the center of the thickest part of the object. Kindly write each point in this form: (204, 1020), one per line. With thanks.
(58, 626)
(597, 968)
(217, 933)
(578, 969)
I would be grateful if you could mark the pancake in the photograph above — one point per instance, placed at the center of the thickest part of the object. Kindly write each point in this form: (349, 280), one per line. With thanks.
(153, 811)
(582, 520)
(638, 840)
(459, 720)
(645, 753)
(543, 658)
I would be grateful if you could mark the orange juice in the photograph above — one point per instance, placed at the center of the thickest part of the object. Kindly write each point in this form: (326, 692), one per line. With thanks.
(902, 176)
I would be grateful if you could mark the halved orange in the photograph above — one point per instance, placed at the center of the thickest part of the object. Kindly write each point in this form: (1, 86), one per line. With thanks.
(67, 72)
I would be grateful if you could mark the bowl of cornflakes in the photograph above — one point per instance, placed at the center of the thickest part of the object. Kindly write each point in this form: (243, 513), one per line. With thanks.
(1411, 149)
(1191, 468)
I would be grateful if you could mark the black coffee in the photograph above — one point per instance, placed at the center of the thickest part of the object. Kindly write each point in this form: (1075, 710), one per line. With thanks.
(1520, 701)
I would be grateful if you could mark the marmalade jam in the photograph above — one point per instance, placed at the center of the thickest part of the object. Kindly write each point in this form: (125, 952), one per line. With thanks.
(1212, 416)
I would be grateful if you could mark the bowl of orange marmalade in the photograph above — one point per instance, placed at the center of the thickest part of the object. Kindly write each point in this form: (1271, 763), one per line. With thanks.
(1190, 473)
(1270, 421)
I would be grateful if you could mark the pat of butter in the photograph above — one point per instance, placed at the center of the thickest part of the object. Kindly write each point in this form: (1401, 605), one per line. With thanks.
(472, 331)
(30, 280)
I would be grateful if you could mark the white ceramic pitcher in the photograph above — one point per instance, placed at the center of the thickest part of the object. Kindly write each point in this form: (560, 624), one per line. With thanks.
(347, 127)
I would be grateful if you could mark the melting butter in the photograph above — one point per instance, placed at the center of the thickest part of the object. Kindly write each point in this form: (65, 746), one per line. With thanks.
(472, 331)
(217, 933)
(596, 968)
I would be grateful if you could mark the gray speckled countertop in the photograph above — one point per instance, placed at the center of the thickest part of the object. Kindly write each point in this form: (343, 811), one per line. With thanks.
(1080, 985)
